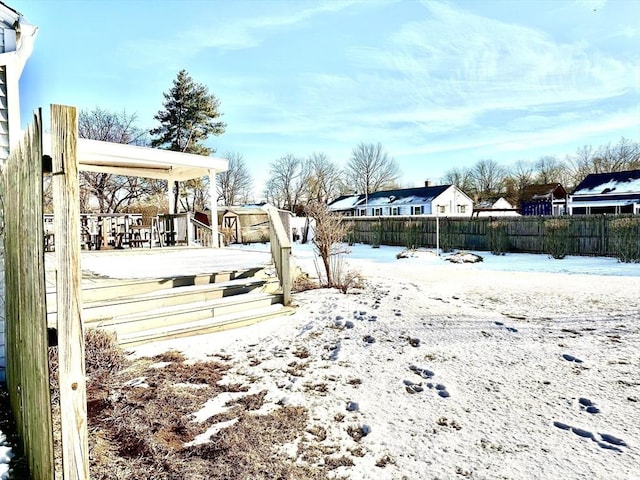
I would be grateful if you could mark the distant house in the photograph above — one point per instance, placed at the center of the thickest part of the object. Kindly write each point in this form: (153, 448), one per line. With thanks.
(545, 199)
(444, 200)
(616, 192)
(497, 207)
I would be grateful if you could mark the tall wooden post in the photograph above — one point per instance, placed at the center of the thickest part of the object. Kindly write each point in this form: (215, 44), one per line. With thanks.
(213, 195)
(66, 205)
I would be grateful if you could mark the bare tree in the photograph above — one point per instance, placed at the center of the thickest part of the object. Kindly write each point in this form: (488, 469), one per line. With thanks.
(103, 191)
(286, 184)
(548, 169)
(519, 176)
(488, 178)
(579, 165)
(625, 155)
(324, 179)
(461, 178)
(370, 169)
(234, 185)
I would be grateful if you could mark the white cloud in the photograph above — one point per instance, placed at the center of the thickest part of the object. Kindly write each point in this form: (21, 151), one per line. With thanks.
(224, 33)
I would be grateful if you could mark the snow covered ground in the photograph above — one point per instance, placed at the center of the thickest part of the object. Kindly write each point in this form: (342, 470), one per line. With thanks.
(517, 367)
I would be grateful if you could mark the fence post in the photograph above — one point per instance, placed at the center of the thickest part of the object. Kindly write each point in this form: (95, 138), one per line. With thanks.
(71, 373)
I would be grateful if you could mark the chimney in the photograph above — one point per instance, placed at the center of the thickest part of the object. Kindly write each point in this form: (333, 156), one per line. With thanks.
(427, 183)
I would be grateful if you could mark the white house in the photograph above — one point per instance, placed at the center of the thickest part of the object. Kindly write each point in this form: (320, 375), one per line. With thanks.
(495, 208)
(16, 45)
(614, 192)
(438, 200)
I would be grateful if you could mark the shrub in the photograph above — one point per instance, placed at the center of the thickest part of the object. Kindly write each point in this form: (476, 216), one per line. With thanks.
(498, 238)
(446, 235)
(626, 239)
(412, 235)
(557, 237)
(329, 232)
(378, 231)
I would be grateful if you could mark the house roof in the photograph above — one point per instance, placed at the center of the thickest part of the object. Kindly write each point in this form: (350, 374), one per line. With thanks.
(545, 191)
(135, 161)
(8, 15)
(345, 202)
(499, 203)
(245, 211)
(403, 196)
(609, 183)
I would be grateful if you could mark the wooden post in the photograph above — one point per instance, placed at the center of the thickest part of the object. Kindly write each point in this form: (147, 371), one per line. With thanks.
(66, 205)
(213, 194)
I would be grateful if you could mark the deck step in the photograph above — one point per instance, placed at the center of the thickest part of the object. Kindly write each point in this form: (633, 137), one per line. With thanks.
(144, 310)
(109, 289)
(168, 317)
(204, 326)
(169, 297)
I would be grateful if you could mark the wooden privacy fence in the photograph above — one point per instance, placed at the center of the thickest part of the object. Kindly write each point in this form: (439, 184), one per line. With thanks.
(26, 314)
(587, 234)
(25, 292)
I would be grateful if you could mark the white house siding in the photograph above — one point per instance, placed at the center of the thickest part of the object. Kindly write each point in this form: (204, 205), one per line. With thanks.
(11, 67)
(4, 153)
(453, 203)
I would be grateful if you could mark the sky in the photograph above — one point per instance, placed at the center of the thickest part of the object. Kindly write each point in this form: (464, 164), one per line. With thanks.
(440, 85)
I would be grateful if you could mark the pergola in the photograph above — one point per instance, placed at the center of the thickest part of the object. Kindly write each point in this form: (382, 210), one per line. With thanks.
(131, 160)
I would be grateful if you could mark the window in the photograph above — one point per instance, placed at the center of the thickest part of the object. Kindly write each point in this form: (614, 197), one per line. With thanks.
(395, 211)
(377, 212)
(462, 208)
(417, 210)
(441, 208)
(362, 212)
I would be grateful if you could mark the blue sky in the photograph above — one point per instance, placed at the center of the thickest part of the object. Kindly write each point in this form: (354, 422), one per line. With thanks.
(439, 84)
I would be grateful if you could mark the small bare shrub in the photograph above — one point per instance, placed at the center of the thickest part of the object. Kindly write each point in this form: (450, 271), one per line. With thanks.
(227, 234)
(557, 237)
(498, 238)
(626, 239)
(411, 235)
(302, 283)
(378, 232)
(329, 233)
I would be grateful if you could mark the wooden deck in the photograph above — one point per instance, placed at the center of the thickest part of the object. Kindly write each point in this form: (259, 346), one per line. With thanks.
(145, 295)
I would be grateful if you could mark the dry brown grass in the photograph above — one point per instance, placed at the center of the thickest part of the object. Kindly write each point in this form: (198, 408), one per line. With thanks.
(140, 418)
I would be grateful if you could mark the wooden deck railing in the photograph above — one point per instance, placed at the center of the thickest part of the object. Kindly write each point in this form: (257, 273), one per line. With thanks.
(203, 233)
(281, 253)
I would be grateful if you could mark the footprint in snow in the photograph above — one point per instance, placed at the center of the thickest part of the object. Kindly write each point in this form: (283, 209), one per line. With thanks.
(606, 441)
(509, 329)
(423, 372)
(411, 387)
(441, 389)
(571, 358)
(588, 406)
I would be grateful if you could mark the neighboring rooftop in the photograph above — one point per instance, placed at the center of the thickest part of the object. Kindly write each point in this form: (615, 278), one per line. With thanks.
(612, 182)
(401, 196)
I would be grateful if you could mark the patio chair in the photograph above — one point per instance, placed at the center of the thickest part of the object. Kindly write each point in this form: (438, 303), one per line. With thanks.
(148, 223)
